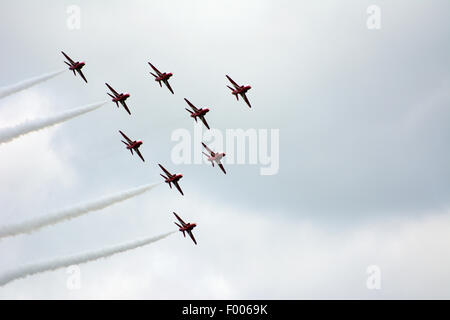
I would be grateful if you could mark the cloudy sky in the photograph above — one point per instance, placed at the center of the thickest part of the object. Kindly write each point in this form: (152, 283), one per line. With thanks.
(363, 117)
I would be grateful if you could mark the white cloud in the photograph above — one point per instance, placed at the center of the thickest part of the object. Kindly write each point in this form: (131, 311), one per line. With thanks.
(31, 162)
(340, 160)
(244, 255)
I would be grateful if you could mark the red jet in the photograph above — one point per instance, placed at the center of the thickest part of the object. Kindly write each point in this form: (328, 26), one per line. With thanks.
(75, 66)
(239, 90)
(186, 227)
(172, 178)
(197, 113)
(132, 145)
(119, 97)
(161, 76)
(214, 157)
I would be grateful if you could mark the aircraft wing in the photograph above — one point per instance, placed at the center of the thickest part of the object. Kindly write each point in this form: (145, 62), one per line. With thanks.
(156, 70)
(165, 171)
(221, 167)
(123, 103)
(81, 74)
(192, 236)
(126, 138)
(204, 121)
(233, 83)
(67, 57)
(191, 105)
(245, 99)
(139, 154)
(168, 86)
(112, 90)
(179, 219)
(178, 187)
(209, 150)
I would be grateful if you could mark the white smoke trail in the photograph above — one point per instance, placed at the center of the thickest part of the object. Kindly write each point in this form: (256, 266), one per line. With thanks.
(10, 133)
(73, 212)
(39, 267)
(22, 85)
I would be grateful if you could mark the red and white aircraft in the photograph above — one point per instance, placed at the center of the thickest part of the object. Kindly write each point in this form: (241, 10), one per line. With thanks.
(186, 227)
(132, 145)
(171, 178)
(239, 90)
(75, 66)
(119, 97)
(161, 76)
(214, 157)
(197, 113)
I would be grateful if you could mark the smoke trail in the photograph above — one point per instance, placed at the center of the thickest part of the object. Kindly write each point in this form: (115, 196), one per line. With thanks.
(7, 90)
(31, 269)
(10, 133)
(73, 212)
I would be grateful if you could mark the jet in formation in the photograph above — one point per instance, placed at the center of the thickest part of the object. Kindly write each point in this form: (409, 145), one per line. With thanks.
(132, 145)
(171, 178)
(75, 66)
(186, 227)
(161, 77)
(119, 97)
(214, 157)
(200, 113)
(239, 91)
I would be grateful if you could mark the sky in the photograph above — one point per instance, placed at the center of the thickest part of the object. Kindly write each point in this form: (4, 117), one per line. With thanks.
(363, 118)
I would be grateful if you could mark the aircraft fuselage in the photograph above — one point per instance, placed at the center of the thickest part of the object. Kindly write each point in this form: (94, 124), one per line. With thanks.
(135, 144)
(121, 97)
(164, 76)
(188, 227)
(200, 112)
(174, 178)
(216, 157)
(77, 65)
(242, 90)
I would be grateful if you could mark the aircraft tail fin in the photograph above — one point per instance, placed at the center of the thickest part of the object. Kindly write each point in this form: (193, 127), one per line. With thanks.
(153, 74)
(230, 88)
(188, 110)
(124, 142)
(170, 184)
(177, 224)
